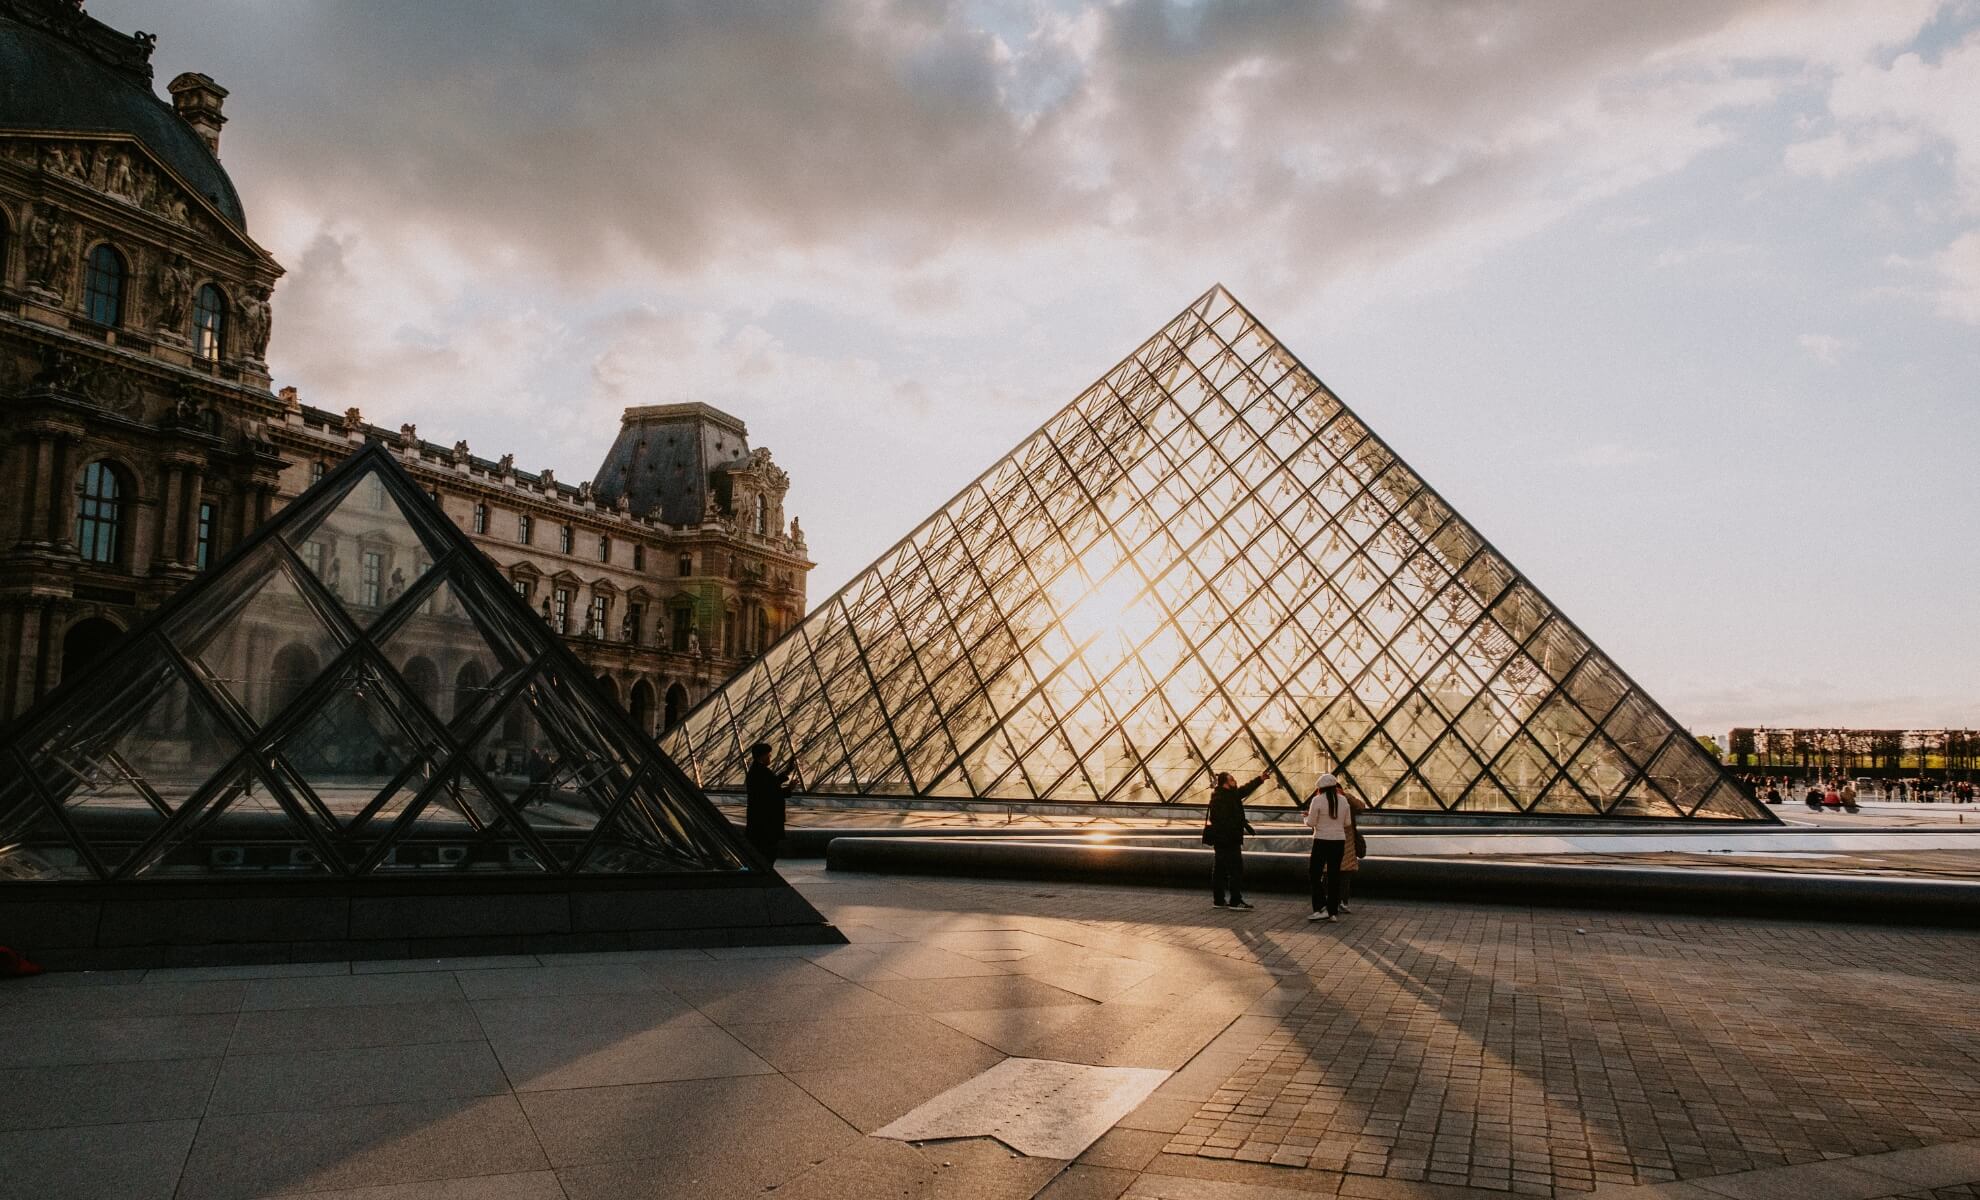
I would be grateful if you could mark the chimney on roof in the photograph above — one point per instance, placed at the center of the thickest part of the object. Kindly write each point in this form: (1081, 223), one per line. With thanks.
(197, 99)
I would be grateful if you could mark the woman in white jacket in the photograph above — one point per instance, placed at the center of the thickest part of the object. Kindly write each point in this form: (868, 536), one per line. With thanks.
(1330, 815)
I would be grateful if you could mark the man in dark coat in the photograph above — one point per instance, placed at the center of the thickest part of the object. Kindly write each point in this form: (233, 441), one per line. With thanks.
(766, 790)
(1225, 832)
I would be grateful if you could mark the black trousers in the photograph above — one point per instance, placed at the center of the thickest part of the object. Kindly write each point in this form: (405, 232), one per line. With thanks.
(1228, 872)
(1328, 878)
(765, 843)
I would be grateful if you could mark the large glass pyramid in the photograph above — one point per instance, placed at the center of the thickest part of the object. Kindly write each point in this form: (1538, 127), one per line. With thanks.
(355, 692)
(1206, 562)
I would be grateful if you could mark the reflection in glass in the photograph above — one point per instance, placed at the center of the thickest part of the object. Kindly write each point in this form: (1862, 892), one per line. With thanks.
(297, 717)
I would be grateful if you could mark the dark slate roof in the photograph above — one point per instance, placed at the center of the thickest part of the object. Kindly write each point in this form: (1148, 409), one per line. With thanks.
(48, 83)
(663, 458)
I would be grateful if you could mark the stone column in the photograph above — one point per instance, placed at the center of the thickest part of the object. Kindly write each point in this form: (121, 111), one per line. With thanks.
(37, 460)
(194, 489)
(168, 515)
(61, 491)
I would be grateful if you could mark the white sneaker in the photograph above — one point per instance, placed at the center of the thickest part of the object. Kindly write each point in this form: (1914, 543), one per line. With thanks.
(1343, 908)
(1332, 917)
(1241, 904)
(1218, 904)
(1319, 916)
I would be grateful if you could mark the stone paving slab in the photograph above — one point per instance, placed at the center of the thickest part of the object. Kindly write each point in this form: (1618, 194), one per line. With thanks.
(1414, 1051)
(1038, 1107)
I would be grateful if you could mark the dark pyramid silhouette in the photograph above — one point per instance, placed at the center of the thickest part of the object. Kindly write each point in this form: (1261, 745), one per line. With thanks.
(355, 694)
(1206, 562)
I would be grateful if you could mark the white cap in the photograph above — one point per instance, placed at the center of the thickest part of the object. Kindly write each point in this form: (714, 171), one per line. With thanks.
(1326, 780)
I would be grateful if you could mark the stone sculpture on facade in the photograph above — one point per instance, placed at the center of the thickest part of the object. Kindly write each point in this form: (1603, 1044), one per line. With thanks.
(171, 286)
(47, 238)
(255, 324)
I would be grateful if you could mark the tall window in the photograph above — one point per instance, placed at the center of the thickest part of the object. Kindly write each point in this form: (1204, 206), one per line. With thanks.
(316, 472)
(686, 564)
(209, 322)
(313, 555)
(639, 557)
(203, 549)
(604, 549)
(566, 538)
(683, 624)
(762, 515)
(371, 584)
(99, 515)
(374, 489)
(635, 615)
(481, 518)
(595, 625)
(103, 286)
(522, 528)
(523, 588)
(561, 613)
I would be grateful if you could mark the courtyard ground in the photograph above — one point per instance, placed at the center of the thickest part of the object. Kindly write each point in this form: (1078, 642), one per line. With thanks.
(1413, 1049)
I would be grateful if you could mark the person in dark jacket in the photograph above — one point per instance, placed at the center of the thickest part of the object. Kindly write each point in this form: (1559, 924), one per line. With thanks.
(766, 790)
(1225, 832)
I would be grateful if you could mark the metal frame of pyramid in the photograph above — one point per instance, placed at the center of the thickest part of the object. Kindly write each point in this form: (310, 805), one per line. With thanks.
(1206, 562)
(355, 703)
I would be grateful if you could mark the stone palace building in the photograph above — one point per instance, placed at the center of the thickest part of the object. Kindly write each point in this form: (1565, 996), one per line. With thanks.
(140, 438)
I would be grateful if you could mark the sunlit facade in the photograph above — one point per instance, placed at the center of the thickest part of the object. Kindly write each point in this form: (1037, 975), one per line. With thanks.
(1205, 562)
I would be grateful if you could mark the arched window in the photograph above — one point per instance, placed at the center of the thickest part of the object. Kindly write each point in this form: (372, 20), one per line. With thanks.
(103, 286)
(99, 515)
(209, 323)
(762, 516)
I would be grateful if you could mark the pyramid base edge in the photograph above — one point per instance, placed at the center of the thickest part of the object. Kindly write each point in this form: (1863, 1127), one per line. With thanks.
(94, 927)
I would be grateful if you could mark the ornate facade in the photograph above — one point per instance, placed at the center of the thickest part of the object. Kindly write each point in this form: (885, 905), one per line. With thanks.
(661, 610)
(140, 439)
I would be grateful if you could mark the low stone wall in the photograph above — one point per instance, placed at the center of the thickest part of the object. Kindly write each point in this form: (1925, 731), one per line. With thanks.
(1836, 897)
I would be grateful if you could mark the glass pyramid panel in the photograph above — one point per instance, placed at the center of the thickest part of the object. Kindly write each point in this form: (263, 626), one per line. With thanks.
(364, 549)
(1205, 562)
(283, 717)
(261, 640)
(118, 759)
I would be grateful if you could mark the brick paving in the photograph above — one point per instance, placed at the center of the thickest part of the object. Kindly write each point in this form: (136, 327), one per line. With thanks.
(1542, 1051)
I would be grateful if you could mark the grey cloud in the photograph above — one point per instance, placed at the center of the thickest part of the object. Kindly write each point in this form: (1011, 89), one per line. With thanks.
(689, 131)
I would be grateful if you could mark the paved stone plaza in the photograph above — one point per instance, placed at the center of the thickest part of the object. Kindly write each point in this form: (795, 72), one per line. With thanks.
(1411, 1050)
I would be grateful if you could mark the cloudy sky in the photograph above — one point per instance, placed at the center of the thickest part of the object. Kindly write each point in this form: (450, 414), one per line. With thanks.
(1679, 303)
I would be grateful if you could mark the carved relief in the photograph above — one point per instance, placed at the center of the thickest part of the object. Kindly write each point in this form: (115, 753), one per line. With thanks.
(114, 170)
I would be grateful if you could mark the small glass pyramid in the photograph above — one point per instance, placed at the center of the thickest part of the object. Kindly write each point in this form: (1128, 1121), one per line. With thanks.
(1205, 562)
(354, 692)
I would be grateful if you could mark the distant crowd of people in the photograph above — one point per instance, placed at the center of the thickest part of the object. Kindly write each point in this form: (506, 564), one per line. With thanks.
(1842, 794)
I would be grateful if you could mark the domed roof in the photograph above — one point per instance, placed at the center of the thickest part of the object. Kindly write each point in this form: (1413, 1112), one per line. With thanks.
(66, 72)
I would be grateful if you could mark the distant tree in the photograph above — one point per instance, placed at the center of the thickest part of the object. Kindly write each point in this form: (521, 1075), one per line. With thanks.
(1742, 746)
(1711, 745)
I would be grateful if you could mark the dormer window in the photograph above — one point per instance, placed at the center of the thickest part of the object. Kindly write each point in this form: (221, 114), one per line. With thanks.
(103, 286)
(209, 323)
